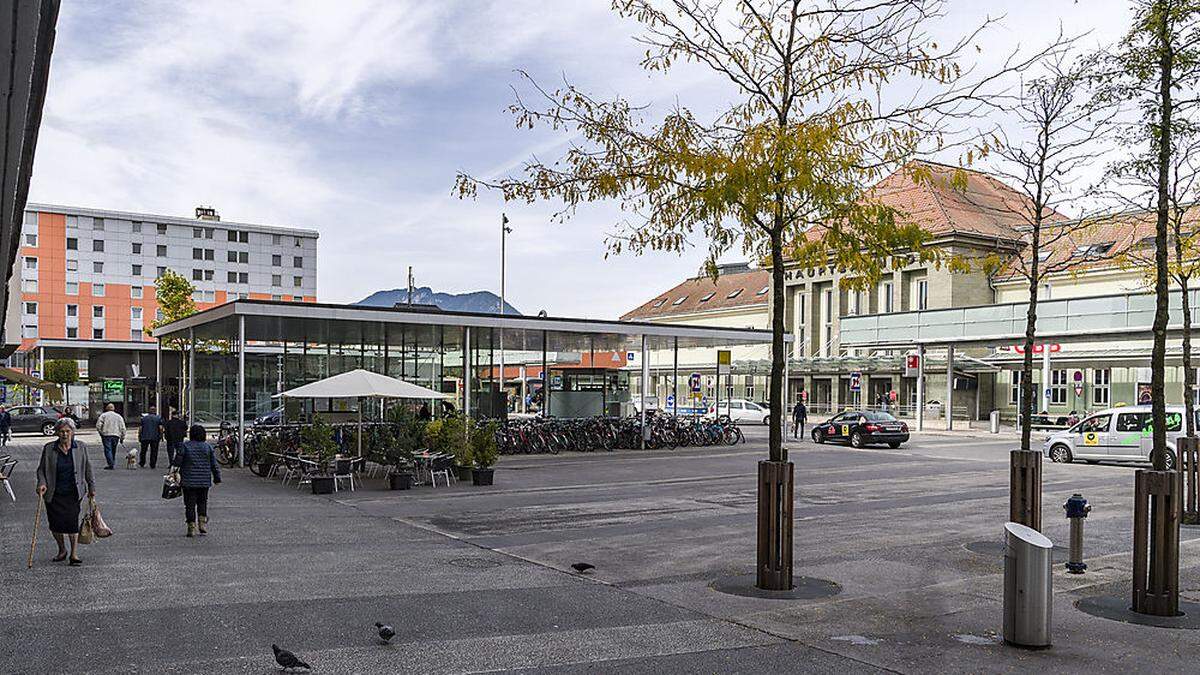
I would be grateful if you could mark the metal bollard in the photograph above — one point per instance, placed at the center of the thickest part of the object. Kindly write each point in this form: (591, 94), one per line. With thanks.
(994, 422)
(1077, 509)
(1028, 593)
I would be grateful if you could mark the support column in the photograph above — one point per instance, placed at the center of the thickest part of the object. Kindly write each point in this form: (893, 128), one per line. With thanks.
(949, 387)
(545, 377)
(1045, 403)
(920, 412)
(41, 373)
(191, 378)
(646, 385)
(158, 377)
(675, 377)
(241, 389)
(467, 371)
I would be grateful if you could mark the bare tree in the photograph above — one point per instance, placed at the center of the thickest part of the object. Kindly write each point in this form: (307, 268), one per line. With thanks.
(1055, 137)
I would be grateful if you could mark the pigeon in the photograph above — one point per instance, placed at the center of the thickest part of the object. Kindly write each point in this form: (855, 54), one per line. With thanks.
(287, 659)
(582, 567)
(386, 632)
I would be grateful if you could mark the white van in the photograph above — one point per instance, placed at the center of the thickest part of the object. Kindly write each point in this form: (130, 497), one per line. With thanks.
(1116, 434)
(741, 410)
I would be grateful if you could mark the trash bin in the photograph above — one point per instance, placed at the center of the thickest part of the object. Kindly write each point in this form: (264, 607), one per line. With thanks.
(1028, 592)
(994, 421)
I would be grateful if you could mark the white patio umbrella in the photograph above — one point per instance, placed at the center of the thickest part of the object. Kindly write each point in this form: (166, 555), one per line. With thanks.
(359, 384)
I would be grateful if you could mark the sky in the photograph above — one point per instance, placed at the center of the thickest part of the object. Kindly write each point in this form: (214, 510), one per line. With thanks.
(352, 118)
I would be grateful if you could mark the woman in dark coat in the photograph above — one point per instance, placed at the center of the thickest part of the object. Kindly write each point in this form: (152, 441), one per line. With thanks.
(198, 471)
(64, 476)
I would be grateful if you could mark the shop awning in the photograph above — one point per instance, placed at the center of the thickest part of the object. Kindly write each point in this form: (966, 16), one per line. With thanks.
(361, 383)
(52, 390)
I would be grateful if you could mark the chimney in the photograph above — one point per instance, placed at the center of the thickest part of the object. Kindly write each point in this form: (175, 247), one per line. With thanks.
(207, 213)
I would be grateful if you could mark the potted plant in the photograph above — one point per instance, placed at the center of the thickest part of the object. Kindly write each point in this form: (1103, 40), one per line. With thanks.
(317, 439)
(454, 439)
(485, 451)
(405, 436)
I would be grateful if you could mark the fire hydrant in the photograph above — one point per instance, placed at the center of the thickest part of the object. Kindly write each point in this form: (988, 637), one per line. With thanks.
(1077, 509)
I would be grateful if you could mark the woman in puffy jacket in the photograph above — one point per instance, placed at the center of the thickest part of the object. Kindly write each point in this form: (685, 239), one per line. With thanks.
(198, 471)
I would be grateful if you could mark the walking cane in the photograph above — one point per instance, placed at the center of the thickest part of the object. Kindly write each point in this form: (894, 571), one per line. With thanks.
(37, 518)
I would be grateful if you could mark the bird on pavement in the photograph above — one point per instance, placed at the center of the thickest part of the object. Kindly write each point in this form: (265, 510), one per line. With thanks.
(582, 567)
(386, 632)
(288, 660)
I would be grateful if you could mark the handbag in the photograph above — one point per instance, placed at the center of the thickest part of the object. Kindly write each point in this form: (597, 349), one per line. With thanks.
(171, 488)
(86, 534)
(99, 527)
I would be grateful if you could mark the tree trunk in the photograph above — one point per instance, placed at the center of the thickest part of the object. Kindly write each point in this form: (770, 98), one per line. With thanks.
(1027, 396)
(775, 439)
(1158, 354)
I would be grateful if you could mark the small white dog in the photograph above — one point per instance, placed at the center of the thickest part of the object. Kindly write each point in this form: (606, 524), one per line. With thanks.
(131, 458)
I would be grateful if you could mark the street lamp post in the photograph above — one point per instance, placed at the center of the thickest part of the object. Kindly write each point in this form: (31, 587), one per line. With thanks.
(504, 230)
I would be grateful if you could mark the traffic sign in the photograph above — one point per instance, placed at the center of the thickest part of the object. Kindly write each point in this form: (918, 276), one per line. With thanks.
(694, 381)
(724, 361)
(670, 400)
(912, 364)
(856, 381)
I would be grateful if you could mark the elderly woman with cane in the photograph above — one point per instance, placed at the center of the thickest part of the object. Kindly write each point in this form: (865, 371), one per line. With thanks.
(64, 477)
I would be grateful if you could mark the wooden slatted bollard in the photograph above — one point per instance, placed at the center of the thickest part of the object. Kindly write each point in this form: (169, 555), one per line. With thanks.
(1189, 466)
(1156, 543)
(1025, 488)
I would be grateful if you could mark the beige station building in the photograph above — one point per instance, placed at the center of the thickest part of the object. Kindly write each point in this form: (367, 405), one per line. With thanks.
(828, 322)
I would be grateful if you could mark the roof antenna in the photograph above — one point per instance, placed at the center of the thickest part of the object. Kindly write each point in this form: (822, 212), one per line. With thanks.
(410, 284)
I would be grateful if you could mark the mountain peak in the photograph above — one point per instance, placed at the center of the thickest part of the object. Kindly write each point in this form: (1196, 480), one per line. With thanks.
(485, 302)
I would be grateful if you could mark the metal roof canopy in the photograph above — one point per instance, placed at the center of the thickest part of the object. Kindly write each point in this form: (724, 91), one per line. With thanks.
(322, 323)
(1102, 318)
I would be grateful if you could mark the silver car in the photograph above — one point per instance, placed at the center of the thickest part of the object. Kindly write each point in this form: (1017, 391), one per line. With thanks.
(1116, 434)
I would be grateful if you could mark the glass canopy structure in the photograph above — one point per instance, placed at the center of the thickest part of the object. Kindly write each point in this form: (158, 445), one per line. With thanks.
(242, 354)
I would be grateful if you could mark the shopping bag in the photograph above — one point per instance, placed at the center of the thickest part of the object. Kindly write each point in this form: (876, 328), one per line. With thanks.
(86, 534)
(99, 527)
(171, 489)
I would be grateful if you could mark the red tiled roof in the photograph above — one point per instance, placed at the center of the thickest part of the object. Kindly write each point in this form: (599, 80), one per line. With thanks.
(701, 294)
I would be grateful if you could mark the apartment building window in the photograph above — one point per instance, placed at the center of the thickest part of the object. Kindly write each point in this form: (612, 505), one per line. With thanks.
(275, 239)
(135, 292)
(197, 233)
(29, 331)
(243, 277)
(98, 290)
(208, 233)
(297, 241)
(72, 288)
(135, 335)
(1101, 385)
(72, 243)
(239, 256)
(750, 387)
(72, 265)
(135, 313)
(856, 302)
(72, 310)
(197, 254)
(159, 272)
(97, 267)
(31, 239)
(197, 275)
(827, 319)
(210, 254)
(276, 280)
(98, 245)
(162, 229)
(98, 224)
(1058, 387)
(29, 308)
(136, 270)
(97, 333)
(137, 226)
(298, 261)
(72, 332)
(29, 285)
(1014, 392)
(137, 248)
(31, 264)
(277, 260)
(208, 275)
(72, 221)
(210, 296)
(297, 281)
(158, 315)
(232, 235)
(922, 293)
(276, 297)
(161, 251)
(97, 311)
(886, 298)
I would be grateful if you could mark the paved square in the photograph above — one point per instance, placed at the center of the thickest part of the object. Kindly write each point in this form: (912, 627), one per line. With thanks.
(478, 579)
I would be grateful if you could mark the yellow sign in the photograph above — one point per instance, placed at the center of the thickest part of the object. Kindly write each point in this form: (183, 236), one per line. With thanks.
(845, 429)
(1090, 438)
(724, 361)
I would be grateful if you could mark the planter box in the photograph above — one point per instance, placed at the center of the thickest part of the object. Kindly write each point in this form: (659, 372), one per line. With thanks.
(400, 481)
(463, 472)
(322, 485)
(482, 476)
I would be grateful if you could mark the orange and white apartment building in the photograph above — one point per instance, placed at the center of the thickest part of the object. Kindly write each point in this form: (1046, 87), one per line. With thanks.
(87, 285)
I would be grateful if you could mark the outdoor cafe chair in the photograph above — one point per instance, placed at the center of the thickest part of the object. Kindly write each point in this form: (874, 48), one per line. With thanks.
(5, 474)
(440, 466)
(343, 469)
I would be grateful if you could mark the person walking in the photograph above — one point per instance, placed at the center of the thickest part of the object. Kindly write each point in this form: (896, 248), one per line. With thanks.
(198, 471)
(111, 427)
(5, 425)
(64, 476)
(175, 429)
(799, 417)
(149, 436)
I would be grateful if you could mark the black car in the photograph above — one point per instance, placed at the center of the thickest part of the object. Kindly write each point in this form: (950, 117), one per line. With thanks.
(34, 418)
(861, 428)
(271, 419)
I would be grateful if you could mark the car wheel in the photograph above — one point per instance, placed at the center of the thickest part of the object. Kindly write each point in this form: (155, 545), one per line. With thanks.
(48, 429)
(767, 421)
(856, 440)
(818, 436)
(894, 444)
(1169, 464)
(1061, 454)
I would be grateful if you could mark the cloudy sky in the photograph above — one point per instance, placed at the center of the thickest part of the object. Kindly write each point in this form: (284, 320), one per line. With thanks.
(352, 118)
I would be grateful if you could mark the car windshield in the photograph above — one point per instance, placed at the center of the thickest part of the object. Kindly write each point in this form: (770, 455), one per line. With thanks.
(880, 417)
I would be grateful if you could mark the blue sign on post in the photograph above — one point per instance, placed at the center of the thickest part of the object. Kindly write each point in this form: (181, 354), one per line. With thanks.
(856, 381)
(670, 400)
(3, 394)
